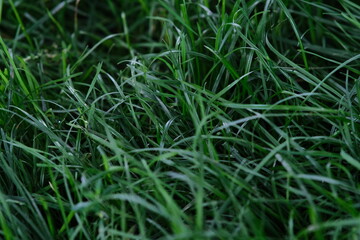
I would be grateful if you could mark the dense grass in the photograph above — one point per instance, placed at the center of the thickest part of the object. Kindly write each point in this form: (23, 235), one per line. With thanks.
(228, 119)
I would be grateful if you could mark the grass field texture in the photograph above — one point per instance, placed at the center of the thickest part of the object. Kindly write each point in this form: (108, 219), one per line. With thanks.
(179, 119)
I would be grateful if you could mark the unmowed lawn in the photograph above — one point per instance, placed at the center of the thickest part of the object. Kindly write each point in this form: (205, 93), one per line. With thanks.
(179, 119)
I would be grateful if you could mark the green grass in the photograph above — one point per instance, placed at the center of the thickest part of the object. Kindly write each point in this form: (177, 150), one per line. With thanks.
(169, 119)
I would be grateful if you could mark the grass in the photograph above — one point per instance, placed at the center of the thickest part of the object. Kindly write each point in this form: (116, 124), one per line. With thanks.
(179, 119)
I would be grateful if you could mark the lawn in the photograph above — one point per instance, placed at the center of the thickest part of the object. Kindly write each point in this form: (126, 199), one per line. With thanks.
(169, 119)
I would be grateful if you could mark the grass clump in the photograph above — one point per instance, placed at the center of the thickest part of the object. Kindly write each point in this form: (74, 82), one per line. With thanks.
(179, 119)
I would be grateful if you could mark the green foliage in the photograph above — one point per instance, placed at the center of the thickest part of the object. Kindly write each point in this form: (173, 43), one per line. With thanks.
(124, 119)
